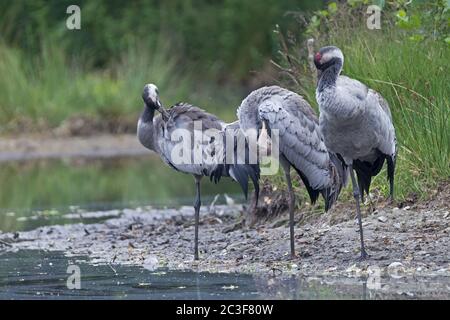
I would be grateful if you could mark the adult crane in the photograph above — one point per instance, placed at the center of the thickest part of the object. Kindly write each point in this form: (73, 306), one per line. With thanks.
(182, 122)
(300, 144)
(356, 123)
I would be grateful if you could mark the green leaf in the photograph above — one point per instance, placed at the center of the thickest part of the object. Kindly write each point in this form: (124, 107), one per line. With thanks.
(401, 14)
(323, 13)
(405, 22)
(332, 8)
(417, 37)
(415, 21)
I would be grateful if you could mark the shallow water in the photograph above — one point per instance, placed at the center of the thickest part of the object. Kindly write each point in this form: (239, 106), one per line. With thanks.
(44, 275)
(36, 193)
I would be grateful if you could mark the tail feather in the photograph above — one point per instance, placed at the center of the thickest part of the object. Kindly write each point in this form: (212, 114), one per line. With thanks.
(390, 174)
(339, 175)
(240, 172)
(313, 193)
(365, 171)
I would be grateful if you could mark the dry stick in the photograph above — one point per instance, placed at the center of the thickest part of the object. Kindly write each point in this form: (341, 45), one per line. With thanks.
(312, 67)
(6, 243)
(292, 71)
(288, 72)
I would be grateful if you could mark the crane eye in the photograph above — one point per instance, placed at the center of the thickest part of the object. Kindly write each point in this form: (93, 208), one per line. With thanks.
(318, 56)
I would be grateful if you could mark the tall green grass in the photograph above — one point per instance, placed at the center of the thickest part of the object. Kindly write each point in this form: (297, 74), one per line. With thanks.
(48, 88)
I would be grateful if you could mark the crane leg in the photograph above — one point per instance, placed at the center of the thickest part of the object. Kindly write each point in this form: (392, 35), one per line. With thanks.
(357, 195)
(197, 205)
(291, 210)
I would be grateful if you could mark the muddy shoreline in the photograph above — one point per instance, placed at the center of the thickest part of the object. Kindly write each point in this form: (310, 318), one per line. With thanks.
(25, 148)
(401, 242)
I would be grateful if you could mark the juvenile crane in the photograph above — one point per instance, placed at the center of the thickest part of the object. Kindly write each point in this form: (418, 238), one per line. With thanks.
(357, 125)
(300, 144)
(158, 133)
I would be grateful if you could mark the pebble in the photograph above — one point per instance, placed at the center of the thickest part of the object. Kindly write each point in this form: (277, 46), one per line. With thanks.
(382, 219)
(396, 269)
(151, 263)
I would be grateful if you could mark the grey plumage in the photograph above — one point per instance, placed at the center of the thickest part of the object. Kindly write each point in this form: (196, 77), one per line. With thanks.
(161, 134)
(356, 123)
(301, 144)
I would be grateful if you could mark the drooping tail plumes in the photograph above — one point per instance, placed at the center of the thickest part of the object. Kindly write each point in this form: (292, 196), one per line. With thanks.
(240, 168)
(339, 172)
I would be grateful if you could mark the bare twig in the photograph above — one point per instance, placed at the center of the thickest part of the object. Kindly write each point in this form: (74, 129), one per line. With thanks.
(6, 243)
(312, 67)
(288, 72)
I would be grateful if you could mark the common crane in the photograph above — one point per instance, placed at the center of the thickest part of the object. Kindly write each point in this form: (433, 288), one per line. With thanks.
(356, 124)
(158, 133)
(300, 143)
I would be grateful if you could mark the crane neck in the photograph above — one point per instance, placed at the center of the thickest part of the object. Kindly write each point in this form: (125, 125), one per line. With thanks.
(328, 77)
(147, 115)
(145, 128)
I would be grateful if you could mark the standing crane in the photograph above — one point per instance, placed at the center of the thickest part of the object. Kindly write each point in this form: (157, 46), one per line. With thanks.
(356, 124)
(157, 134)
(300, 144)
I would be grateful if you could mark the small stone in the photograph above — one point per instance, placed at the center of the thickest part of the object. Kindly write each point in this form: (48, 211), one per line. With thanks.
(382, 219)
(331, 269)
(151, 263)
(396, 269)
(353, 269)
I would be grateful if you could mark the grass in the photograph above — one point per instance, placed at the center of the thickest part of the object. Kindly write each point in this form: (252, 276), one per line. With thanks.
(48, 88)
(413, 77)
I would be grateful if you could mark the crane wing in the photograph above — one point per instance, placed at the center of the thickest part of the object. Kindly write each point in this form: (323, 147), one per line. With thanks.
(300, 139)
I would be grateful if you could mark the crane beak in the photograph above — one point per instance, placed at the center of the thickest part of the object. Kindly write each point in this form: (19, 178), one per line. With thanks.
(161, 110)
(159, 104)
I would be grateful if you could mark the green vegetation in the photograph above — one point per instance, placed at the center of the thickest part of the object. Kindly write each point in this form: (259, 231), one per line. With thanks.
(411, 72)
(201, 51)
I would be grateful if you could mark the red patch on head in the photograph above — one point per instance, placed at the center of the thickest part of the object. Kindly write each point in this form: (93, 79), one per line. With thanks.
(318, 56)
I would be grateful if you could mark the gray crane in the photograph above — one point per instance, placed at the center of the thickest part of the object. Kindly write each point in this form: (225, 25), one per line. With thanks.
(356, 124)
(157, 133)
(300, 144)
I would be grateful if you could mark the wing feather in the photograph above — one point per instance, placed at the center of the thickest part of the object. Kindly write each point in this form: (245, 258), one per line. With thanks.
(299, 138)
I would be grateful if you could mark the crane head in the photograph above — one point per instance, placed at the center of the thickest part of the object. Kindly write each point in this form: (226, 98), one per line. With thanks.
(150, 95)
(328, 56)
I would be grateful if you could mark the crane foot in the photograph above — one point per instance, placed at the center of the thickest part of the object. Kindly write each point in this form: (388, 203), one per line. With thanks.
(364, 256)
